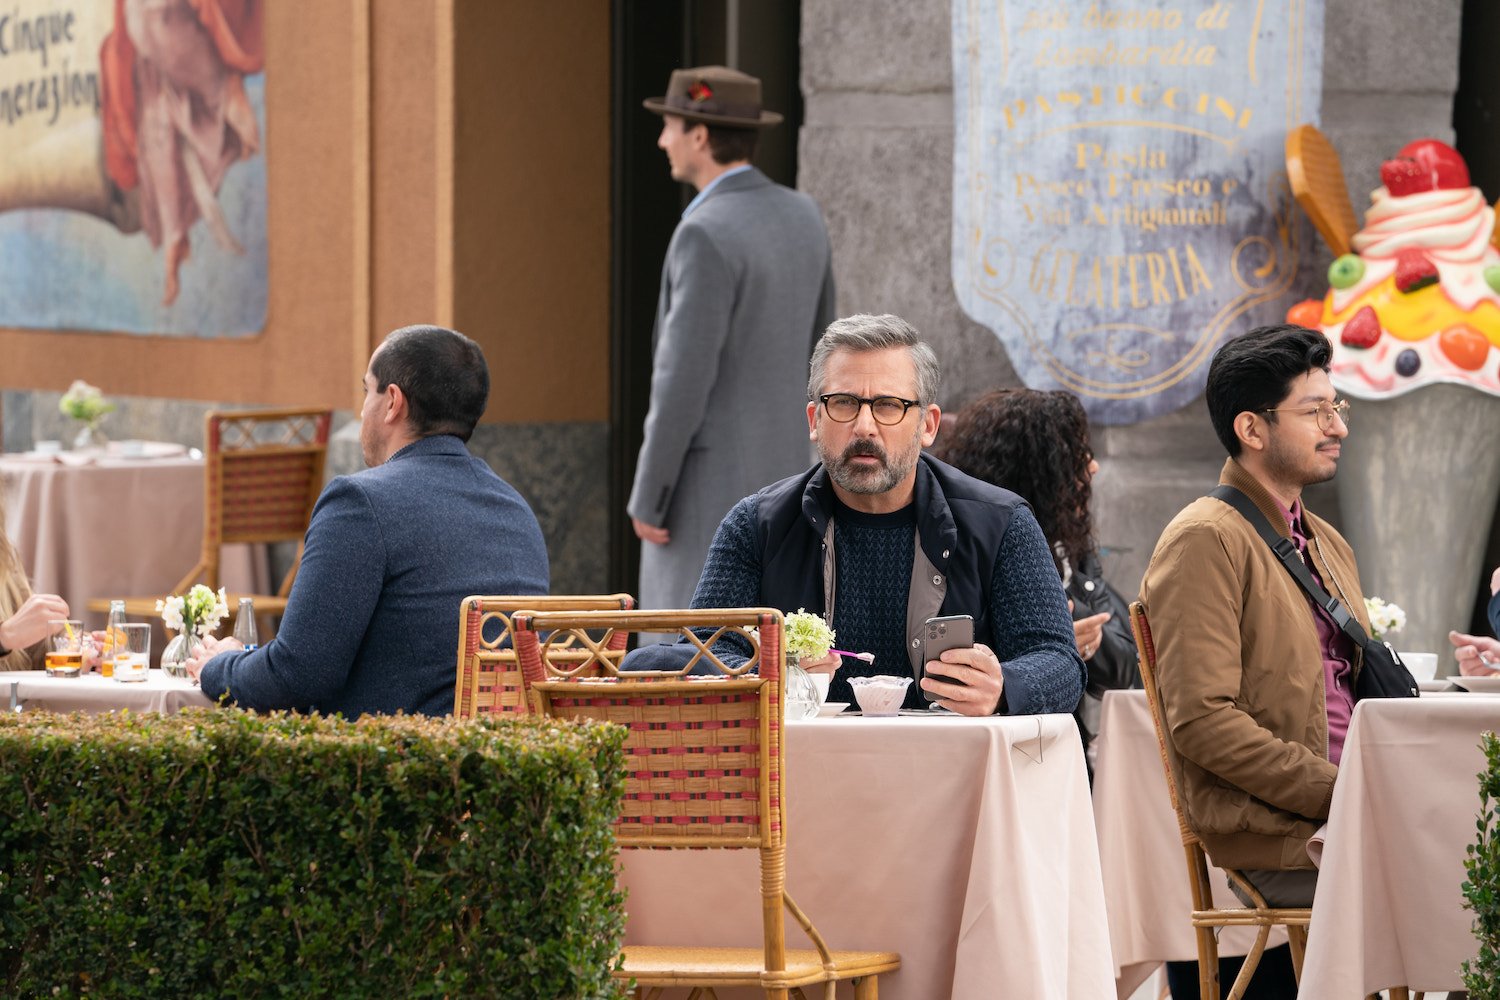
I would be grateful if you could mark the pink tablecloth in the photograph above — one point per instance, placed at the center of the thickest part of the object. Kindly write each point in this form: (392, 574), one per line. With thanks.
(965, 844)
(93, 694)
(1389, 910)
(116, 528)
(1140, 851)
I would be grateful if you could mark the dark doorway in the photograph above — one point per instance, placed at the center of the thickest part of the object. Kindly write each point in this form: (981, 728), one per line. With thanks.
(1476, 125)
(650, 39)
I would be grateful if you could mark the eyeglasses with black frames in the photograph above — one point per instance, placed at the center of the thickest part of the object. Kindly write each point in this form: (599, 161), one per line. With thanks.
(1325, 411)
(844, 407)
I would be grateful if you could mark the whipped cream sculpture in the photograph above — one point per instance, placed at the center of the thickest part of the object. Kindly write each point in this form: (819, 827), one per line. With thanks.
(1418, 301)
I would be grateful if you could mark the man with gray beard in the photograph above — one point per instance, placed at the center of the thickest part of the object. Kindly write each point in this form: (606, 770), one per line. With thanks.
(879, 537)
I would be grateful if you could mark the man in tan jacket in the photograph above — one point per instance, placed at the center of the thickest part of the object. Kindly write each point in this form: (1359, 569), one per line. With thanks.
(1257, 681)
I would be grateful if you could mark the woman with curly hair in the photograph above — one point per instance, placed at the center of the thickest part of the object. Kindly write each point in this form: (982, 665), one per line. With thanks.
(1037, 444)
(23, 615)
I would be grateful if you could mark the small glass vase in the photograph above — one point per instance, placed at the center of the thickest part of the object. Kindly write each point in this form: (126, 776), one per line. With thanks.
(89, 436)
(174, 658)
(801, 700)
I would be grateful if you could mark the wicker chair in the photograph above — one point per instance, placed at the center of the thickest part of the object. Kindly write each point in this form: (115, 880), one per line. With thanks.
(718, 783)
(262, 473)
(489, 676)
(1205, 916)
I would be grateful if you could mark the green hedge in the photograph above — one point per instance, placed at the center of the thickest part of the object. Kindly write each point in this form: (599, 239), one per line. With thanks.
(220, 853)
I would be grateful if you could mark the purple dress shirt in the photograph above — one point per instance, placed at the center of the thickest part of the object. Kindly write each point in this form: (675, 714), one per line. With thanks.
(1338, 650)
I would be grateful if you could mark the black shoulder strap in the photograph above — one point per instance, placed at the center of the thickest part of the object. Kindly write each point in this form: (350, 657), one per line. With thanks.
(1287, 553)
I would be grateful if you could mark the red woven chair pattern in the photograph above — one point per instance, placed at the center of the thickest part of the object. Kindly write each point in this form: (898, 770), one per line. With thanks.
(704, 769)
(489, 676)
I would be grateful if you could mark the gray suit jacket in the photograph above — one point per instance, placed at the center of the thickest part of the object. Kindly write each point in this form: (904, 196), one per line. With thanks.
(746, 290)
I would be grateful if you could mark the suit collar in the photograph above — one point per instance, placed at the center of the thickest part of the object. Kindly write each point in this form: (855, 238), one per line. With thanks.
(437, 444)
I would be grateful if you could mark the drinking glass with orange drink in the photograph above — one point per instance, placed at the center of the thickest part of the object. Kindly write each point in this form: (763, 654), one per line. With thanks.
(65, 658)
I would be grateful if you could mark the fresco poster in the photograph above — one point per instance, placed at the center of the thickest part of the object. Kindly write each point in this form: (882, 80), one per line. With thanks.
(132, 166)
(1120, 200)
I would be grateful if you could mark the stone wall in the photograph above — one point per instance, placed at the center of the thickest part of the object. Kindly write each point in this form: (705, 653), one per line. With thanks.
(876, 151)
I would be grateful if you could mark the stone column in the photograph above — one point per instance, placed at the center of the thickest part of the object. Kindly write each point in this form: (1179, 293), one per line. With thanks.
(1420, 478)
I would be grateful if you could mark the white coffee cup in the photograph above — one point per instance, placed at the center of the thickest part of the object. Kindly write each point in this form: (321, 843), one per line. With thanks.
(48, 447)
(1423, 666)
(132, 449)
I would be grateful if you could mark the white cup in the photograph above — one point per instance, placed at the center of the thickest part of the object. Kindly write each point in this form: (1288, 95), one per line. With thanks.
(48, 447)
(132, 449)
(821, 682)
(1423, 666)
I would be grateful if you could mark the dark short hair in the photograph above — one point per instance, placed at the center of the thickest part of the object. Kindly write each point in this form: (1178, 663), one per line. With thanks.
(1255, 372)
(442, 374)
(729, 145)
(1036, 444)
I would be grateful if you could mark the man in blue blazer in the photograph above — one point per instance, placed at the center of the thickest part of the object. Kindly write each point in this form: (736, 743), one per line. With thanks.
(371, 625)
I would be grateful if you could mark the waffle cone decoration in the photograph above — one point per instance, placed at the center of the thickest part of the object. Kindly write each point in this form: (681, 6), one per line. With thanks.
(1414, 295)
(1317, 180)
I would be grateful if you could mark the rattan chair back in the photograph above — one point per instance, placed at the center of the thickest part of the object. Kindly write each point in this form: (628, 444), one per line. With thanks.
(262, 474)
(705, 767)
(1205, 916)
(489, 675)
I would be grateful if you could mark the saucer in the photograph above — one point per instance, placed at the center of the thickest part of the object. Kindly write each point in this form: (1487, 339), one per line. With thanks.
(832, 708)
(1478, 685)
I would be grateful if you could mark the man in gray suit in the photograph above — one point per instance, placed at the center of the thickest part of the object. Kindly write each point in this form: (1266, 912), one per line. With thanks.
(746, 289)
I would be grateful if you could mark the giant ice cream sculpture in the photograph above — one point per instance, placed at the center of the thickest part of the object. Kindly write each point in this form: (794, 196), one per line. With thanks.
(1413, 315)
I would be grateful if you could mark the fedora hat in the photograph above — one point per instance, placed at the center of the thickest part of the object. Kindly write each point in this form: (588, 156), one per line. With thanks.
(714, 95)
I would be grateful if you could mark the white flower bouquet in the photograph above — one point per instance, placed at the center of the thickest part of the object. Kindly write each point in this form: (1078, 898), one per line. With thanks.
(1385, 619)
(808, 635)
(200, 612)
(85, 402)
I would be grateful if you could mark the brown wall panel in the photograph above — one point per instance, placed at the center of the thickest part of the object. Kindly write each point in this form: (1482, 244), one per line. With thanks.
(406, 129)
(304, 354)
(531, 186)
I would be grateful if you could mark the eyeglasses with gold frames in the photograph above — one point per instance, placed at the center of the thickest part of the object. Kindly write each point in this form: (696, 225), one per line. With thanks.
(844, 407)
(1325, 411)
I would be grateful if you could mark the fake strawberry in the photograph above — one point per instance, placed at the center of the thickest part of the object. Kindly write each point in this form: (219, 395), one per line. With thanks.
(1362, 330)
(1441, 162)
(1403, 175)
(1414, 270)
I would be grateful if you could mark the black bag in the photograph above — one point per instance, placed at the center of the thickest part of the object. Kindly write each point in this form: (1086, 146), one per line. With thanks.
(1383, 675)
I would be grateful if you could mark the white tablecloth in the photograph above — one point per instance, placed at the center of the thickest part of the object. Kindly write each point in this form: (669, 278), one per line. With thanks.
(967, 845)
(120, 527)
(1389, 908)
(1140, 851)
(93, 694)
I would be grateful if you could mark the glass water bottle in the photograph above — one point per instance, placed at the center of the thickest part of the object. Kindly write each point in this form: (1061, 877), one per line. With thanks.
(244, 624)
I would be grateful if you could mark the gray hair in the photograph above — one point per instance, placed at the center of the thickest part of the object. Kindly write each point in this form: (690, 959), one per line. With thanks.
(861, 333)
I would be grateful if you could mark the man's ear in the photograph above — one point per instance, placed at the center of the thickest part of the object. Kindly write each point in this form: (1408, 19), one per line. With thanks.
(932, 420)
(1250, 431)
(396, 408)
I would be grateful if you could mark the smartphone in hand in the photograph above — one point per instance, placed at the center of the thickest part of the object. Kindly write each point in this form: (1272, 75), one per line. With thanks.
(947, 632)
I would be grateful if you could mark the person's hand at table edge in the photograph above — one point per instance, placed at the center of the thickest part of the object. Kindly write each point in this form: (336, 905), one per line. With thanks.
(650, 532)
(1477, 655)
(206, 651)
(977, 670)
(28, 626)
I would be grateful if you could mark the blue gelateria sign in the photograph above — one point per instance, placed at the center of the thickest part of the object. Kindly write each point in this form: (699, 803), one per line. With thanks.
(1120, 201)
